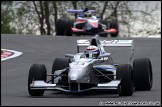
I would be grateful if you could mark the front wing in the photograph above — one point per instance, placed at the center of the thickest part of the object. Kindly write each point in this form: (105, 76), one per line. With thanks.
(39, 85)
(75, 30)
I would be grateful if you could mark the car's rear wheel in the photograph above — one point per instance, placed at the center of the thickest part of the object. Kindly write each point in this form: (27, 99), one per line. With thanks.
(58, 64)
(143, 77)
(36, 72)
(124, 73)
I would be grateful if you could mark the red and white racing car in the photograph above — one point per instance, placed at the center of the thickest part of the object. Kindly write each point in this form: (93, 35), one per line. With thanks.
(86, 24)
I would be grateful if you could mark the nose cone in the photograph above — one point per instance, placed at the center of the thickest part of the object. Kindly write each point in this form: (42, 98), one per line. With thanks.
(73, 78)
(74, 75)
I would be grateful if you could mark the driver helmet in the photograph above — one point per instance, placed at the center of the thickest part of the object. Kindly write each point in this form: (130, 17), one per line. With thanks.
(92, 52)
(87, 14)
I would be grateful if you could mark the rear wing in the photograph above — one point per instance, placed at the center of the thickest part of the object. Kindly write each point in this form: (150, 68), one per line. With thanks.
(116, 43)
(108, 43)
(80, 11)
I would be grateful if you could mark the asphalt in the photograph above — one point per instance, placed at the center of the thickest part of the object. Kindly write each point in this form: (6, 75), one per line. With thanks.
(44, 49)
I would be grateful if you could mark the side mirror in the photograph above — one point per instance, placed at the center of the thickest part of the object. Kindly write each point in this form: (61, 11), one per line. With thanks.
(69, 55)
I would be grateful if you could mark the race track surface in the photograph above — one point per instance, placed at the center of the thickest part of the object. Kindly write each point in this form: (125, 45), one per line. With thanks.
(44, 49)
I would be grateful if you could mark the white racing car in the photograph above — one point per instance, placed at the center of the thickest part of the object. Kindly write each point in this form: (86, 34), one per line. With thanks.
(92, 69)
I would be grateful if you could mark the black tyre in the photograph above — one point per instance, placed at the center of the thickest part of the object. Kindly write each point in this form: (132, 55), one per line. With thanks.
(69, 25)
(105, 23)
(124, 73)
(36, 72)
(60, 27)
(114, 25)
(143, 77)
(58, 64)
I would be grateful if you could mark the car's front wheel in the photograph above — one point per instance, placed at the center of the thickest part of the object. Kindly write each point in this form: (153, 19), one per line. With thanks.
(69, 25)
(114, 25)
(58, 64)
(124, 73)
(104, 22)
(60, 27)
(143, 77)
(36, 72)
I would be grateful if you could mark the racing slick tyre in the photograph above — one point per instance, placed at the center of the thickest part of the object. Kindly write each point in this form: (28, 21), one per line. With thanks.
(60, 27)
(58, 64)
(69, 25)
(114, 25)
(124, 73)
(105, 23)
(36, 72)
(142, 74)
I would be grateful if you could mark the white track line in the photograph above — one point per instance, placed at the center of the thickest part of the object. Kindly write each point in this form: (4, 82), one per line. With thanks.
(16, 54)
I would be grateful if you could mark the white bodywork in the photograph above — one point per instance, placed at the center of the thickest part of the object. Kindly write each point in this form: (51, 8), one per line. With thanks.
(79, 69)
